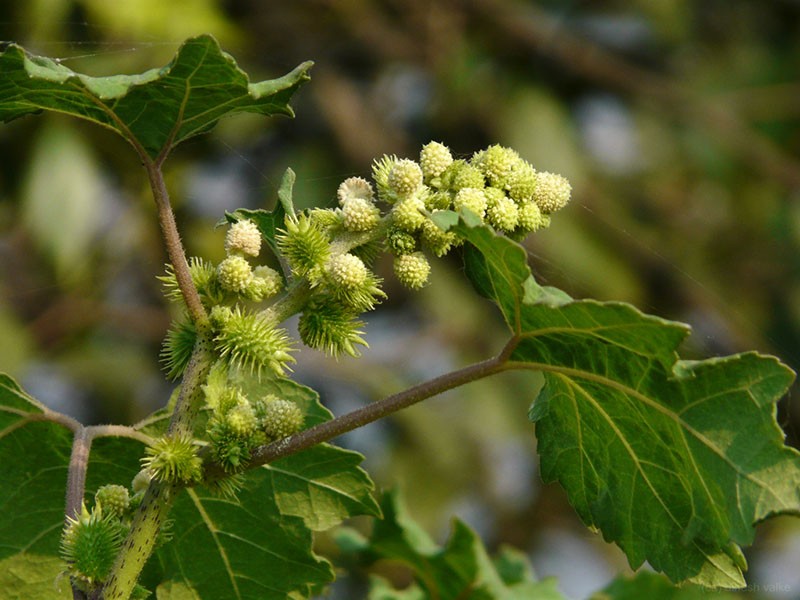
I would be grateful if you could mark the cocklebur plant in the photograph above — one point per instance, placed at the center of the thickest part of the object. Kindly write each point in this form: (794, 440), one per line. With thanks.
(674, 461)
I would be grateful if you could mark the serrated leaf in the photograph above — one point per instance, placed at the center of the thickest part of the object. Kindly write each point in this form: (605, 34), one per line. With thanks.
(675, 461)
(242, 550)
(155, 110)
(656, 587)
(460, 570)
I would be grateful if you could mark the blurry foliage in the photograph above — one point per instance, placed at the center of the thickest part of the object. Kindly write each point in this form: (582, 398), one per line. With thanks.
(678, 124)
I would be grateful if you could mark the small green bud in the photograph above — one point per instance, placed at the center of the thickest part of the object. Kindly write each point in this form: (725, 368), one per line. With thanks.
(266, 283)
(354, 187)
(204, 277)
(552, 192)
(350, 283)
(219, 316)
(359, 214)
(522, 183)
(114, 499)
(281, 419)
(436, 240)
(434, 158)
(412, 270)
(234, 274)
(304, 244)
(405, 178)
(438, 201)
(497, 163)
(347, 270)
(230, 451)
(472, 199)
(530, 217)
(271, 279)
(381, 168)
(407, 213)
(502, 213)
(173, 459)
(141, 481)
(249, 342)
(325, 219)
(462, 175)
(327, 326)
(243, 238)
(400, 241)
(229, 398)
(242, 420)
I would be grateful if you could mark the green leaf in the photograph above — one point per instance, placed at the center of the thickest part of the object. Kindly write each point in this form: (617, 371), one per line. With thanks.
(461, 570)
(34, 457)
(239, 550)
(260, 545)
(675, 461)
(155, 110)
(656, 587)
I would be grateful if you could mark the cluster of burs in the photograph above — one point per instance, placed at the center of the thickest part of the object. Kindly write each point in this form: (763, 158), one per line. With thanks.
(327, 258)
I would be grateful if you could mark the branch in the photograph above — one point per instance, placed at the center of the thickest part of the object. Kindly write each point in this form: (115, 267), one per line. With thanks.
(372, 412)
(172, 241)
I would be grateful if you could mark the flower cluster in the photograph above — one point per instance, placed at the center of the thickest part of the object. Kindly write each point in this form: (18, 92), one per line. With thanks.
(496, 185)
(328, 261)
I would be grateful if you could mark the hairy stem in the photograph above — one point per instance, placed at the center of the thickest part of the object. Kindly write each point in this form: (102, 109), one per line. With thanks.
(76, 477)
(372, 412)
(140, 543)
(172, 241)
(190, 398)
(152, 512)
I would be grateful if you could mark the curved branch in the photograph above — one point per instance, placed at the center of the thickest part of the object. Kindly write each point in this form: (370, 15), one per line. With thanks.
(98, 431)
(372, 412)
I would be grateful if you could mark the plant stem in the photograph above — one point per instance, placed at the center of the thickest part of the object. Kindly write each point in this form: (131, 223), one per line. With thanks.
(76, 477)
(372, 412)
(191, 394)
(140, 543)
(152, 512)
(172, 241)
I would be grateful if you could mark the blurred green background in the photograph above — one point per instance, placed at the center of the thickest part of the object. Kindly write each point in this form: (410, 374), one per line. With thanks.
(677, 122)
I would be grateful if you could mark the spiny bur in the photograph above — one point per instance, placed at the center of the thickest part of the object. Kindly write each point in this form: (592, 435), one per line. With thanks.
(89, 544)
(173, 459)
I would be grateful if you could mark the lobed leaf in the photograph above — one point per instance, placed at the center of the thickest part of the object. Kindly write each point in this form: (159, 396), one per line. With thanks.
(155, 110)
(673, 460)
